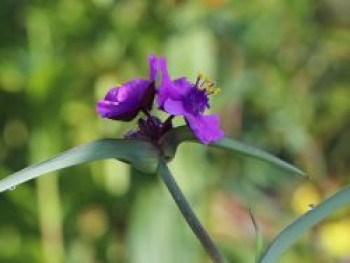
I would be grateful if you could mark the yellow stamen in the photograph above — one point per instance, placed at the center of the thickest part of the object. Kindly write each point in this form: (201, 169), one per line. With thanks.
(199, 77)
(204, 82)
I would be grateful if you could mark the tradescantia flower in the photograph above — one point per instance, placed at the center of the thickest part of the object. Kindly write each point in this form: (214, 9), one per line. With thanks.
(180, 97)
(125, 101)
(154, 143)
(177, 97)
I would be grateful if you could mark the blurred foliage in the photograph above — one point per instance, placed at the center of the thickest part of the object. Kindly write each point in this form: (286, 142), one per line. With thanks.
(283, 67)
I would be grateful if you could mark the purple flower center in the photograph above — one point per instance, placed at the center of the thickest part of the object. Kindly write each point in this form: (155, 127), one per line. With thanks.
(196, 101)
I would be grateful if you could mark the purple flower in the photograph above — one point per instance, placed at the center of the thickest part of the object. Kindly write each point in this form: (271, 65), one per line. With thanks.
(125, 101)
(180, 97)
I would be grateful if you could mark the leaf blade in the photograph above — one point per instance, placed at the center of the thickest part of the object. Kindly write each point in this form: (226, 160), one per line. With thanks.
(139, 153)
(174, 138)
(250, 151)
(293, 231)
(259, 237)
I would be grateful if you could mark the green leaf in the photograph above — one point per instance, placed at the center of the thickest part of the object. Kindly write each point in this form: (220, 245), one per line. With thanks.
(259, 238)
(250, 151)
(140, 154)
(174, 138)
(296, 229)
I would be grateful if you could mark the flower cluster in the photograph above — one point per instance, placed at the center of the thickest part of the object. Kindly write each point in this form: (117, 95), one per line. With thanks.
(178, 97)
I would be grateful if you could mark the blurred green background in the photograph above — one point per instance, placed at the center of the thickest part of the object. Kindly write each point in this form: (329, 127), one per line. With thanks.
(283, 67)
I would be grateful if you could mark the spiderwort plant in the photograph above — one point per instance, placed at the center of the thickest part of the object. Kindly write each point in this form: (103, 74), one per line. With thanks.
(154, 143)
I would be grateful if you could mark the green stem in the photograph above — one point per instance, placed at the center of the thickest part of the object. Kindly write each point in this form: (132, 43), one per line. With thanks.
(188, 214)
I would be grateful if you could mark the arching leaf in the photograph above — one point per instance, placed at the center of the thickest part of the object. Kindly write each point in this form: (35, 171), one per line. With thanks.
(304, 223)
(174, 138)
(140, 154)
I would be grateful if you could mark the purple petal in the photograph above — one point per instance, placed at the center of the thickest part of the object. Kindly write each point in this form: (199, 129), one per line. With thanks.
(183, 86)
(165, 84)
(171, 89)
(206, 128)
(174, 107)
(153, 67)
(112, 94)
(115, 110)
(166, 81)
(125, 101)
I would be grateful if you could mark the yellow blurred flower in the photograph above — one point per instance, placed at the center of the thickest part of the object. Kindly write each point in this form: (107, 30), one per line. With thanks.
(305, 197)
(335, 238)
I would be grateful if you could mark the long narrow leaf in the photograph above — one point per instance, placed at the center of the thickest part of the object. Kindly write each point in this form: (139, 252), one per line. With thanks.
(259, 238)
(250, 151)
(173, 139)
(140, 154)
(299, 227)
